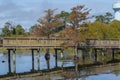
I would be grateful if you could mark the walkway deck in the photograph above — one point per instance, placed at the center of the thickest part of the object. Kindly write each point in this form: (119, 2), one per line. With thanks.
(24, 43)
(105, 43)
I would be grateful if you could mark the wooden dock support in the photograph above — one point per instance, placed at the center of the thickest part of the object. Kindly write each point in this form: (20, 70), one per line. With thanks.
(113, 54)
(9, 61)
(76, 59)
(38, 58)
(14, 61)
(32, 59)
(95, 50)
(83, 55)
(56, 56)
(62, 52)
(56, 59)
(47, 57)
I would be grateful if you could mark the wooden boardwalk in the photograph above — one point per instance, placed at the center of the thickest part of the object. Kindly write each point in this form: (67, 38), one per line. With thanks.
(29, 43)
(34, 44)
(101, 44)
(24, 43)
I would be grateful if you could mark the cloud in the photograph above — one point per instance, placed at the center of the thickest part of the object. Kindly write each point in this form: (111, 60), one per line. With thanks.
(27, 12)
(19, 14)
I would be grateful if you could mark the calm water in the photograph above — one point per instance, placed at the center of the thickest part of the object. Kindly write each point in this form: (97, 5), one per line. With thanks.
(100, 77)
(24, 62)
(103, 76)
(111, 73)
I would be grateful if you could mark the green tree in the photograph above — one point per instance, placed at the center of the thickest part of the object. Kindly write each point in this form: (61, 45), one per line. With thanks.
(7, 29)
(64, 17)
(98, 30)
(32, 29)
(107, 18)
(19, 30)
(114, 31)
(5, 32)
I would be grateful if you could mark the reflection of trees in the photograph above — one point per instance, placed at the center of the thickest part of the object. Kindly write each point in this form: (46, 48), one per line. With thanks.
(83, 78)
(117, 73)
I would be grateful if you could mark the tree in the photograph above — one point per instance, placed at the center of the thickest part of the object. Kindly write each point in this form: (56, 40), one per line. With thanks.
(7, 29)
(114, 31)
(8, 25)
(48, 23)
(64, 17)
(77, 19)
(107, 18)
(32, 29)
(5, 32)
(19, 30)
(98, 30)
(78, 16)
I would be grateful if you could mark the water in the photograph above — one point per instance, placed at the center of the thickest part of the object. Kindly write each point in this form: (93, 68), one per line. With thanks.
(106, 72)
(99, 77)
(102, 77)
(24, 62)
(109, 76)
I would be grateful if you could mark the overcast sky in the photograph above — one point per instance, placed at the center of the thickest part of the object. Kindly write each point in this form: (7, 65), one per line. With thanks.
(27, 12)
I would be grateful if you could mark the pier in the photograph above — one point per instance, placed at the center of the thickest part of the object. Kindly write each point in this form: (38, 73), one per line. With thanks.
(35, 44)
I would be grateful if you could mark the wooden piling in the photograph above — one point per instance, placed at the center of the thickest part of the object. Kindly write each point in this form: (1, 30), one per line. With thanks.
(9, 61)
(32, 59)
(38, 58)
(56, 65)
(95, 50)
(14, 61)
(113, 54)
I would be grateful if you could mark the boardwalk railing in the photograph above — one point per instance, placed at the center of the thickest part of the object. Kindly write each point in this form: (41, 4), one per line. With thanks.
(105, 43)
(56, 43)
(32, 42)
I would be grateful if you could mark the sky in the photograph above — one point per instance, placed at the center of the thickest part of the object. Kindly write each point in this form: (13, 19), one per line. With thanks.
(27, 12)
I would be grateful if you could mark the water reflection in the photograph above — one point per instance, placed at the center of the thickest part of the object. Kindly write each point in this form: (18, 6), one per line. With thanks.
(107, 72)
(101, 77)
(24, 62)
(104, 76)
